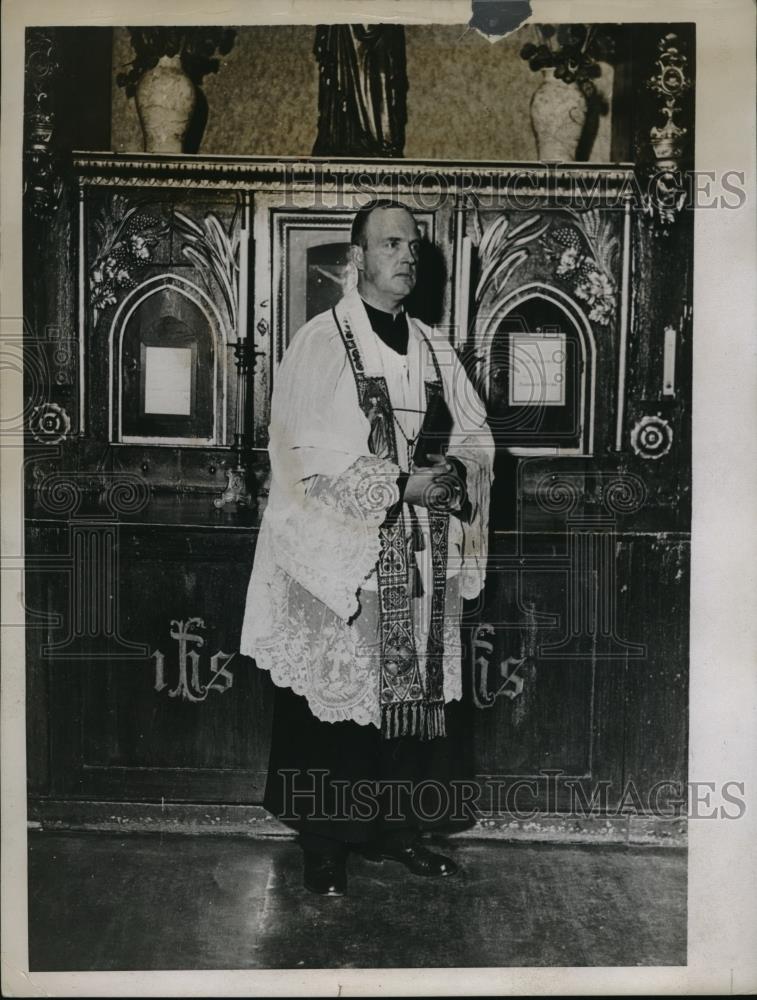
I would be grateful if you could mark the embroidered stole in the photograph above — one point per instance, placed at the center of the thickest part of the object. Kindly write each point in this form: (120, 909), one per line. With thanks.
(410, 704)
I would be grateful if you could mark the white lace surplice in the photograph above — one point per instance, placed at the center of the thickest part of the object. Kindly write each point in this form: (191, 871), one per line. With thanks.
(311, 616)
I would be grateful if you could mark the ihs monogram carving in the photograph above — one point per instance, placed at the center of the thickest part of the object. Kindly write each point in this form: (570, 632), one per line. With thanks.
(511, 685)
(188, 684)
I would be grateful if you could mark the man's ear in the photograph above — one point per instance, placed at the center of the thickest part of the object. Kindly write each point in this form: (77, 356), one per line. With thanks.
(357, 257)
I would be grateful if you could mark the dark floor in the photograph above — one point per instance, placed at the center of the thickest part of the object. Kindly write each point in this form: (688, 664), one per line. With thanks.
(107, 902)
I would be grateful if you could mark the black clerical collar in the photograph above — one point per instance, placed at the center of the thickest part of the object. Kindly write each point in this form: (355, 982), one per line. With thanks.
(392, 329)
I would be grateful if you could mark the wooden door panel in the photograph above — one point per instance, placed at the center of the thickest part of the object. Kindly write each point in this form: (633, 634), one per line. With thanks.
(656, 607)
(178, 714)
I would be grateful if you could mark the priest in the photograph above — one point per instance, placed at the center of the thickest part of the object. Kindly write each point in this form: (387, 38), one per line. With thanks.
(374, 533)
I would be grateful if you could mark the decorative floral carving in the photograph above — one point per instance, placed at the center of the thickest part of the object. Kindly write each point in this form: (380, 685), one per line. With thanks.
(652, 437)
(126, 240)
(42, 183)
(586, 257)
(501, 249)
(599, 292)
(667, 195)
(669, 82)
(49, 423)
(214, 251)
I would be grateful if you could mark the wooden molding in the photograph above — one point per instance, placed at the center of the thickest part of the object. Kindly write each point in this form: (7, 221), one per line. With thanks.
(255, 821)
(604, 182)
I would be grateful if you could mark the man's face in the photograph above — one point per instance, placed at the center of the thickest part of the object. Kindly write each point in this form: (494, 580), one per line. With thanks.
(388, 260)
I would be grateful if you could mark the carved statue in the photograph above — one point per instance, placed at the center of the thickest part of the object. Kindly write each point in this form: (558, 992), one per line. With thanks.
(363, 85)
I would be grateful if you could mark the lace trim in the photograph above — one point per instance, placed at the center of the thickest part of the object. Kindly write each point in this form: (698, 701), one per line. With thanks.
(329, 542)
(306, 647)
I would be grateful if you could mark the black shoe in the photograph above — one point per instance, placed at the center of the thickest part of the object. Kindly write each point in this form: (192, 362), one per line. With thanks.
(324, 875)
(416, 858)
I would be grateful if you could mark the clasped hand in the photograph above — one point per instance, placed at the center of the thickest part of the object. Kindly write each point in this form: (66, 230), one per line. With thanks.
(436, 486)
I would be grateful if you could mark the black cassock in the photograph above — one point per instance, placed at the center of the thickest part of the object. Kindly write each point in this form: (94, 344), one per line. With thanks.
(350, 753)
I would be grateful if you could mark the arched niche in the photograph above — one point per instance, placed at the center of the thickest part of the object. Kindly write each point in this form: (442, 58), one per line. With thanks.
(539, 374)
(167, 361)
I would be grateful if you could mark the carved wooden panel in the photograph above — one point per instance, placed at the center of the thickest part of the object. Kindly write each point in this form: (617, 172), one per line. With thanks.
(166, 708)
(159, 271)
(560, 272)
(597, 711)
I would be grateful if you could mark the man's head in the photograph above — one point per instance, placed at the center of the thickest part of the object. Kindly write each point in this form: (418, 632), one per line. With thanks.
(385, 247)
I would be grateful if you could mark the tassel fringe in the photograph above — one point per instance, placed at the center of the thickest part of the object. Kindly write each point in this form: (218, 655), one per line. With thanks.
(427, 722)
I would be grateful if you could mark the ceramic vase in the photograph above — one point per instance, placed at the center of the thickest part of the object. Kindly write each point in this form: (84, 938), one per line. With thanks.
(558, 116)
(165, 99)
